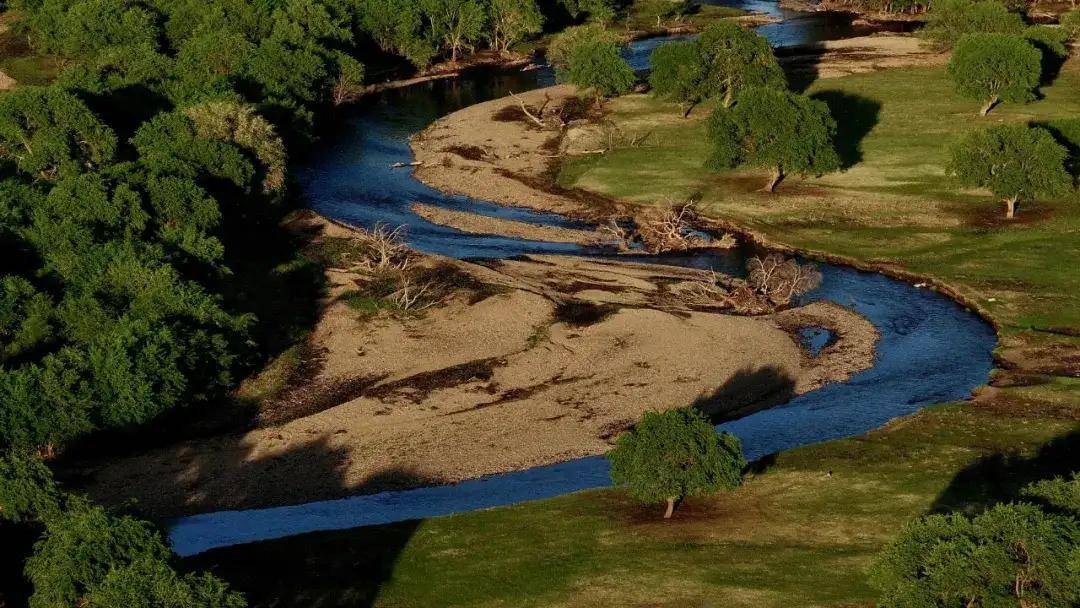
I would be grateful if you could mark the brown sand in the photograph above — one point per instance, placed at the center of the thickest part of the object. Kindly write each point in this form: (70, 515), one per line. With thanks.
(567, 355)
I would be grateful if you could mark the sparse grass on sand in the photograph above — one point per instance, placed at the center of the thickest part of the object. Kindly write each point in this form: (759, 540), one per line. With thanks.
(804, 527)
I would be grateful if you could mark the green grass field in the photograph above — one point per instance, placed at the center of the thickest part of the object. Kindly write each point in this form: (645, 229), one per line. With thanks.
(806, 524)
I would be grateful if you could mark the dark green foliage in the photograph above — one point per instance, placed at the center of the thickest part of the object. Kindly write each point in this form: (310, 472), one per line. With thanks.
(995, 67)
(1015, 162)
(398, 26)
(1011, 555)
(456, 24)
(27, 491)
(676, 454)
(563, 45)
(153, 584)
(511, 21)
(601, 11)
(774, 129)
(950, 20)
(1059, 494)
(49, 133)
(596, 65)
(725, 60)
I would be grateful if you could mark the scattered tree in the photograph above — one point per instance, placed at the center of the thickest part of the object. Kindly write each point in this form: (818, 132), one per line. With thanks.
(672, 455)
(950, 20)
(994, 68)
(773, 129)
(597, 66)
(1011, 555)
(1015, 162)
(725, 60)
(512, 20)
(458, 24)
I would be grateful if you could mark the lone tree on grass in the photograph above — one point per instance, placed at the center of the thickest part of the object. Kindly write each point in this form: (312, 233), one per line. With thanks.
(596, 65)
(950, 20)
(995, 67)
(676, 454)
(725, 60)
(774, 129)
(1015, 162)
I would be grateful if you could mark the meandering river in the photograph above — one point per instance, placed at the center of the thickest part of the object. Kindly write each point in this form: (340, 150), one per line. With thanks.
(931, 349)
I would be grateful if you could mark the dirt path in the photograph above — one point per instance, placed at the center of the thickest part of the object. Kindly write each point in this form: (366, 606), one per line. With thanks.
(549, 360)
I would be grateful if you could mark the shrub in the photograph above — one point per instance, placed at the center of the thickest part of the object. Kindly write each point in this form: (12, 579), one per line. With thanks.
(950, 20)
(1015, 162)
(676, 454)
(1061, 494)
(774, 129)
(1070, 22)
(1012, 555)
(27, 490)
(563, 45)
(149, 582)
(995, 67)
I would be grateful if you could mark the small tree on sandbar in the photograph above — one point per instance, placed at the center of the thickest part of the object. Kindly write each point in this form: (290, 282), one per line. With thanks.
(774, 129)
(596, 65)
(1015, 162)
(994, 68)
(676, 454)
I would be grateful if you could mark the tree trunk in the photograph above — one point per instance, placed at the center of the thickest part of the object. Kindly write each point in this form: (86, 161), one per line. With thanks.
(989, 106)
(777, 177)
(728, 99)
(670, 508)
(690, 109)
(1010, 207)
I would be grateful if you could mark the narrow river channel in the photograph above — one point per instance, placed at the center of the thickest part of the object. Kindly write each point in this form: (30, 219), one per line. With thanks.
(931, 349)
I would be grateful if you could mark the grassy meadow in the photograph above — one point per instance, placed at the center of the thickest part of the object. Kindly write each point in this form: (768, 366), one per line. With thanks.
(807, 523)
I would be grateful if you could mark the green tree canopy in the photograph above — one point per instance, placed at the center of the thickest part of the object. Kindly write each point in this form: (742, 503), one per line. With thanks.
(950, 20)
(1061, 494)
(597, 66)
(511, 21)
(1015, 162)
(669, 456)
(1012, 555)
(27, 491)
(457, 24)
(995, 67)
(773, 129)
(48, 133)
(398, 26)
(722, 62)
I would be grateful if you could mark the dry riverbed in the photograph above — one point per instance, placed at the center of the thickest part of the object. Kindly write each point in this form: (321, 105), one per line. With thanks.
(532, 361)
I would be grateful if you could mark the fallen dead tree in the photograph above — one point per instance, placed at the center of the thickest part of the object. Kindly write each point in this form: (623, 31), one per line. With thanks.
(661, 231)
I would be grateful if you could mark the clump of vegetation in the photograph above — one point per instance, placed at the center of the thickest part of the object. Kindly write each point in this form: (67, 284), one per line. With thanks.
(781, 279)
(722, 62)
(951, 20)
(774, 129)
(662, 230)
(1015, 162)
(512, 21)
(995, 67)
(593, 63)
(672, 455)
(1070, 22)
(1011, 555)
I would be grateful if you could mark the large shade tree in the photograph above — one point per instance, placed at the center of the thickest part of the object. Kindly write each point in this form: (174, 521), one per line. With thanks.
(669, 456)
(1011, 555)
(1015, 162)
(597, 66)
(776, 130)
(950, 20)
(511, 21)
(994, 68)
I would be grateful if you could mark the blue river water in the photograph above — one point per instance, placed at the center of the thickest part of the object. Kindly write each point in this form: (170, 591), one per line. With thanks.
(931, 349)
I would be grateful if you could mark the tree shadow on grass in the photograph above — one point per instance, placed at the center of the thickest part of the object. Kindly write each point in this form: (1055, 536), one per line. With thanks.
(335, 569)
(1000, 477)
(749, 390)
(855, 116)
(801, 64)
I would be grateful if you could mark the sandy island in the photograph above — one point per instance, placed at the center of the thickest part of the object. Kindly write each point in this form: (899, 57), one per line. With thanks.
(537, 360)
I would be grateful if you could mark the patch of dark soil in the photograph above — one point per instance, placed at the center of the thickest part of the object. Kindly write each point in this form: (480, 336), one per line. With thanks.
(992, 214)
(611, 430)
(1072, 332)
(416, 388)
(575, 286)
(523, 392)
(599, 207)
(1012, 407)
(577, 313)
(467, 152)
(306, 400)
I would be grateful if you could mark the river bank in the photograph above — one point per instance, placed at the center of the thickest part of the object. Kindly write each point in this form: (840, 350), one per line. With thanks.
(530, 362)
